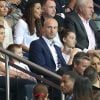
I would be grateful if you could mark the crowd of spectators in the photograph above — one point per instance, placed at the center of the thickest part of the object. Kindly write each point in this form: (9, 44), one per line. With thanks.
(62, 36)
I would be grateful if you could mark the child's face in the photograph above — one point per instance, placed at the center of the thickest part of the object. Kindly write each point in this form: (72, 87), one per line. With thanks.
(18, 51)
(70, 40)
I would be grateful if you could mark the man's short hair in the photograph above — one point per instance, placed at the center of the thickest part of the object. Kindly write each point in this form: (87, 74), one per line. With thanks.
(71, 74)
(12, 47)
(80, 56)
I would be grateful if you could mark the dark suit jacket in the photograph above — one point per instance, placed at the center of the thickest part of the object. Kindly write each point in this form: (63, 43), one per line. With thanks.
(40, 54)
(74, 22)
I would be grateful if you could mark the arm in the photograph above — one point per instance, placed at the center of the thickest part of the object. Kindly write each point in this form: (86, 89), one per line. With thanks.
(3, 70)
(36, 54)
(20, 31)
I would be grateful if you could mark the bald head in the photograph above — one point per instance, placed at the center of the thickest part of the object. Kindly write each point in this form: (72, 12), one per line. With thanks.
(50, 28)
(50, 20)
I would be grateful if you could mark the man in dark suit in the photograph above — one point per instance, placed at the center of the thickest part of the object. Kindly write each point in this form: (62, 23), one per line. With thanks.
(43, 51)
(81, 23)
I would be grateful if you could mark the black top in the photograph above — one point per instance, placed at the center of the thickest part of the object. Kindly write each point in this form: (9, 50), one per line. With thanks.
(96, 9)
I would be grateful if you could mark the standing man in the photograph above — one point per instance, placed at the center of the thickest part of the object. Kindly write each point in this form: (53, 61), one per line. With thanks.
(81, 23)
(43, 51)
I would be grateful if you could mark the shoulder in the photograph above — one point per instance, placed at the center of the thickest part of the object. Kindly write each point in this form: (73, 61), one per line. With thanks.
(22, 22)
(72, 16)
(36, 43)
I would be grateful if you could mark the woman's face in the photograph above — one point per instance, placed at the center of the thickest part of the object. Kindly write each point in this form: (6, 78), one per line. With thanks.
(70, 40)
(96, 63)
(19, 52)
(3, 8)
(37, 11)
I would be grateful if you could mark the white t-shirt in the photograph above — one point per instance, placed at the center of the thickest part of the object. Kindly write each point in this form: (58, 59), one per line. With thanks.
(22, 65)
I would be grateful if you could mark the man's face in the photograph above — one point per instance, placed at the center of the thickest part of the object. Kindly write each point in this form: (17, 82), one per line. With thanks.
(49, 8)
(80, 68)
(66, 84)
(87, 10)
(2, 35)
(50, 29)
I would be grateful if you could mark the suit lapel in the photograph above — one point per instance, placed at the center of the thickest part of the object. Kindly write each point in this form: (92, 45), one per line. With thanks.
(93, 26)
(46, 48)
(81, 24)
(58, 55)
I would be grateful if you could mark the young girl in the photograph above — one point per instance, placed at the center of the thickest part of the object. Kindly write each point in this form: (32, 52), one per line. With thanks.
(68, 39)
(40, 92)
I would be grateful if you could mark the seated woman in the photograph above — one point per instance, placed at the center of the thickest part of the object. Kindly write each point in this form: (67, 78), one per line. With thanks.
(28, 28)
(8, 31)
(95, 61)
(68, 39)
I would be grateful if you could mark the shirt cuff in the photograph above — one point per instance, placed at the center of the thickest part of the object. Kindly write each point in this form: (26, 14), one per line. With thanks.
(85, 50)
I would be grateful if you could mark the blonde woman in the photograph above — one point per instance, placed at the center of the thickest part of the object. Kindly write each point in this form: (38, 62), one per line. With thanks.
(95, 61)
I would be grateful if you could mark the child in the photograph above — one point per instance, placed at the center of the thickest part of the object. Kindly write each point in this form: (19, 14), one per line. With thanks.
(40, 92)
(17, 49)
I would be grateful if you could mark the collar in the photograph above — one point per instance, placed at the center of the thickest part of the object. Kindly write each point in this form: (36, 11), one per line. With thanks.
(83, 20)
(48, 41)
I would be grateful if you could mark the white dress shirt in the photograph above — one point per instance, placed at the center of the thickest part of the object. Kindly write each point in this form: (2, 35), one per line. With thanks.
(21, 65)
(58, 41)
(50, 44)
(90, 35)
